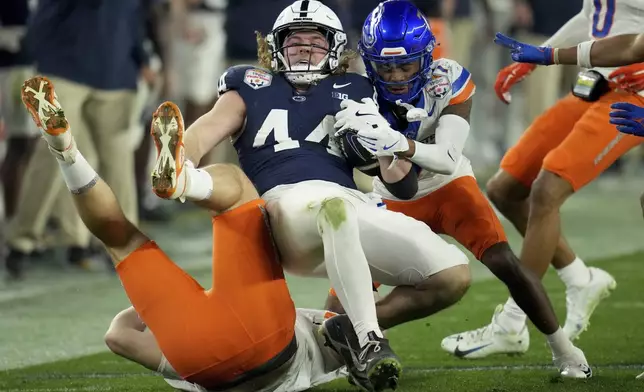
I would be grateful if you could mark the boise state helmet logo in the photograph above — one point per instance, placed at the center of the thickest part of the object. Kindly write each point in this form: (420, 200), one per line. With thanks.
(369, 32)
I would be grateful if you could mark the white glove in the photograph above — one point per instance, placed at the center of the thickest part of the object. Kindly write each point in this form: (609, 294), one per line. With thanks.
(373, 130)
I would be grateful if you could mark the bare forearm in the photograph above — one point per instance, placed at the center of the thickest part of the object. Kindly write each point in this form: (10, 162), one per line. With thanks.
(195, 147)
(222, 121)
(192, 148)
(609, 52)
(393, 173)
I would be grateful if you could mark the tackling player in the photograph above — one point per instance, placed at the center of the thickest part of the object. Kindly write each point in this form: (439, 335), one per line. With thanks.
(428, 105)
(243, 334)
(281, 118)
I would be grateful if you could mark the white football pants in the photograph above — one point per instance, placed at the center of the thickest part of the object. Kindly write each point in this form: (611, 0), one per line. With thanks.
(400, 250)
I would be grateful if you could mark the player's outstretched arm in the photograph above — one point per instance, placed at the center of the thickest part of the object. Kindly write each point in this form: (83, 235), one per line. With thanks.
(222, 121)
(606, 52)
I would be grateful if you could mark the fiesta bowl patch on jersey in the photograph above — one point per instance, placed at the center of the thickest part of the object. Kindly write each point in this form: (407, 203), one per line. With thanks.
(257, 78)
(439, 86)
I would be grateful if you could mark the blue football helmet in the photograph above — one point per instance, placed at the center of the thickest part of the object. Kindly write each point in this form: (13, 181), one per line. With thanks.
(396, 34)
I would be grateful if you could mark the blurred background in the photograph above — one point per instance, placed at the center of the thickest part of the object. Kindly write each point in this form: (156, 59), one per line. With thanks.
(112, 65)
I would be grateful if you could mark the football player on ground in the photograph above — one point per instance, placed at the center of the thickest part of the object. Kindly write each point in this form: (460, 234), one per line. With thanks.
(426, 107)
(243, 334)
(281, 119)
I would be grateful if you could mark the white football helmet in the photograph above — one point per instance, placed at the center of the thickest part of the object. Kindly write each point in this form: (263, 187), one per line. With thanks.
(306, 15)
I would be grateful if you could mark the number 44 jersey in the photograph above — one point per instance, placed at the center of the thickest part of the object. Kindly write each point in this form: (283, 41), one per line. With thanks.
(288, 135)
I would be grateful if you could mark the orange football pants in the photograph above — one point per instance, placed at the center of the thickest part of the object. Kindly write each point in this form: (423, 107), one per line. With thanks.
(460, 210)
(572, 139)
(211, 337)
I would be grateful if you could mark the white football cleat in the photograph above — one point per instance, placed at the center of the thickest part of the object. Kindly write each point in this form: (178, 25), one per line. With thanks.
(581, 301)
(40, 99)
(167, 129)
(573, 364)
(489, 340)
(640, 377)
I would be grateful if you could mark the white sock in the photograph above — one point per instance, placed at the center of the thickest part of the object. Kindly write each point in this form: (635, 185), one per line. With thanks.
(575, 274)
(347, 268)
(79, 176)
(199, 184)
(559, 343)
(512, 318)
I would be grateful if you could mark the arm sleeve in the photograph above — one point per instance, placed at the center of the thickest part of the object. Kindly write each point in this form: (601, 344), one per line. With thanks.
(404, 189)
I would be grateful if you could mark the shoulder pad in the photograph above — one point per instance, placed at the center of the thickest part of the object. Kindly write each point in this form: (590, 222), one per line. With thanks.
(244, 77)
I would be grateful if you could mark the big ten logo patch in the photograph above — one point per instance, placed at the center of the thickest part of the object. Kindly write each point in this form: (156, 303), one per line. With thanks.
(257, 78)
(339, 95)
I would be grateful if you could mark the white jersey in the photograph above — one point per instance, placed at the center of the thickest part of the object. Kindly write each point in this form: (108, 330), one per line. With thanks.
(613, 17)
(601, 19)
(451, 84)
(310, 367)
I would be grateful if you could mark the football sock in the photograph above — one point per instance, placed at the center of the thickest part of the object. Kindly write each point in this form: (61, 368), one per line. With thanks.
(575, 274)
(512, 318)
(79, 175)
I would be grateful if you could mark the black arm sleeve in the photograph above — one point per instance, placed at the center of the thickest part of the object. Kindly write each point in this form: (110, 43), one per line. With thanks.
(404, 189)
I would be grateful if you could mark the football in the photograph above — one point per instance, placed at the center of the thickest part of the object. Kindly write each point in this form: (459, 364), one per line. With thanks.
(358, 156)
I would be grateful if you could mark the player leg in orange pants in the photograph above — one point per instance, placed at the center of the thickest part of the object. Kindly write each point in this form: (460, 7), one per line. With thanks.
(459, 209)
(563, 150)
(212, 338)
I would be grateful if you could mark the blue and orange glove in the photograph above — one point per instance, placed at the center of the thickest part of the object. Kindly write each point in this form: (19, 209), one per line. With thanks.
(526, 53)
(629, 118)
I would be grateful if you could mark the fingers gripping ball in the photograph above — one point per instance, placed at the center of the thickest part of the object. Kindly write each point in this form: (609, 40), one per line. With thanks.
(357, 156)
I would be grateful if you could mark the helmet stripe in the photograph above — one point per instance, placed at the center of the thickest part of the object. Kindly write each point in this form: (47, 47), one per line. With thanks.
(304, 9)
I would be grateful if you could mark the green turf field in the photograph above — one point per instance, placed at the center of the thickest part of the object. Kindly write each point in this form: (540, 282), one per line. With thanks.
(613, 345)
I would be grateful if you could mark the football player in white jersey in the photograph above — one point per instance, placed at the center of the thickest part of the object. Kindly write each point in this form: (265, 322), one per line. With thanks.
(567, 147)
(282, 120)
(625, 51)
(425, 107)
